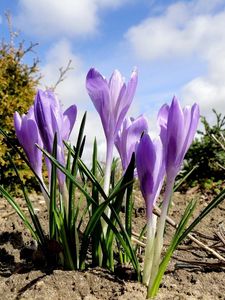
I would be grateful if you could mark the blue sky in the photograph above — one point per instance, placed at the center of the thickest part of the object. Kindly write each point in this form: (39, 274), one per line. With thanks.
(177, 46)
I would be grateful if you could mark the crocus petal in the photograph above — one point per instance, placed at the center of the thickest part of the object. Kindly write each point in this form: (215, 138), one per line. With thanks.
(125, 99)
(134, 132)
(69, 118)
(128, 136)
(120, 141)
(162, 122)
(17, 123)
(98, 91)
(116, 83)
(194, 119)
(178, 127)
(34, 154)
(175, 135)
(43, 116)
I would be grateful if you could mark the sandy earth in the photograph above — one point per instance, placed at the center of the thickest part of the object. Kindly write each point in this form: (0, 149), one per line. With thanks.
(193, 273)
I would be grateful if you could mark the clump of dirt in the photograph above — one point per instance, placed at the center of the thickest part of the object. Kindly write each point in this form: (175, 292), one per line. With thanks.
(194, 272)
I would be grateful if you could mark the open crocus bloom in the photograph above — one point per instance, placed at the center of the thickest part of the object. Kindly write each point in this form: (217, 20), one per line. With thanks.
(28, 135)
(111, 99)
(51, 120)
(128, 136)
(178, 127)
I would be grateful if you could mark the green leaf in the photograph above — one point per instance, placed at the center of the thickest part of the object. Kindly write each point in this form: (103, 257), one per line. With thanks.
(214, 203)
(53, 188)
(34, 218)
(65, 244)
(20, 213)
(179, 183)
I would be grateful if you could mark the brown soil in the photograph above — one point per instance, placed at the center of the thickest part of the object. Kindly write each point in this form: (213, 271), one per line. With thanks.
(192, 274)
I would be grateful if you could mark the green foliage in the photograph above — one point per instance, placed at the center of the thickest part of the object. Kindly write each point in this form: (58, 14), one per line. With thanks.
(77, 214)
(207, 156)
(18, 82)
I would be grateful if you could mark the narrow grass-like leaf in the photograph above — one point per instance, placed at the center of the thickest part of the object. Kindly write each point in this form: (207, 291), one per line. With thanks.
(128, 248)
(68, 164)
(179, 183)
(53, 188)
(127, 245)
(18, 210)
(34, 218)
(129, 200)
(78, 152)
(63, 237)
(119, 192)
(96, 235)
(214, 203)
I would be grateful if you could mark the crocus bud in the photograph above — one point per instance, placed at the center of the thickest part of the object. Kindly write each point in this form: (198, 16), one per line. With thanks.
(28, 135)
(150, 169)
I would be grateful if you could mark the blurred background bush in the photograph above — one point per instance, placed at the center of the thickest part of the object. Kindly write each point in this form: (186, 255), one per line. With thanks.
(18, 83)
(207, 156)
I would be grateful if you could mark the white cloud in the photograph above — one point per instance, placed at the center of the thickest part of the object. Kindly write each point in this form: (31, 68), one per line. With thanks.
(183, 29)
(72, 88)
(51, 18)
(188, 29)
(208, 90)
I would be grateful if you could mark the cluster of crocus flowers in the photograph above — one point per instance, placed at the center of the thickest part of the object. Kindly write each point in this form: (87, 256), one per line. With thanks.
(157, 159)
(44, 120)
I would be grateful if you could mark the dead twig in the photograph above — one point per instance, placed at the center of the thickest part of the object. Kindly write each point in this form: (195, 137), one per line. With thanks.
(200, 263)
(6, 215)
(221, 234)
(62, 73)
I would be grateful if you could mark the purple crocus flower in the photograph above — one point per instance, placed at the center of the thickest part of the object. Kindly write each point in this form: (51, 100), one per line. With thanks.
(28, 135)
(111, 99)
(178, 127)
(51, 120)
(128, 136)
(150, 169)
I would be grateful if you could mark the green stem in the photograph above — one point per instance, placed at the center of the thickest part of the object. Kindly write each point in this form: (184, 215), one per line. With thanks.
(149, 250)
(109, 158)
(158, 244)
